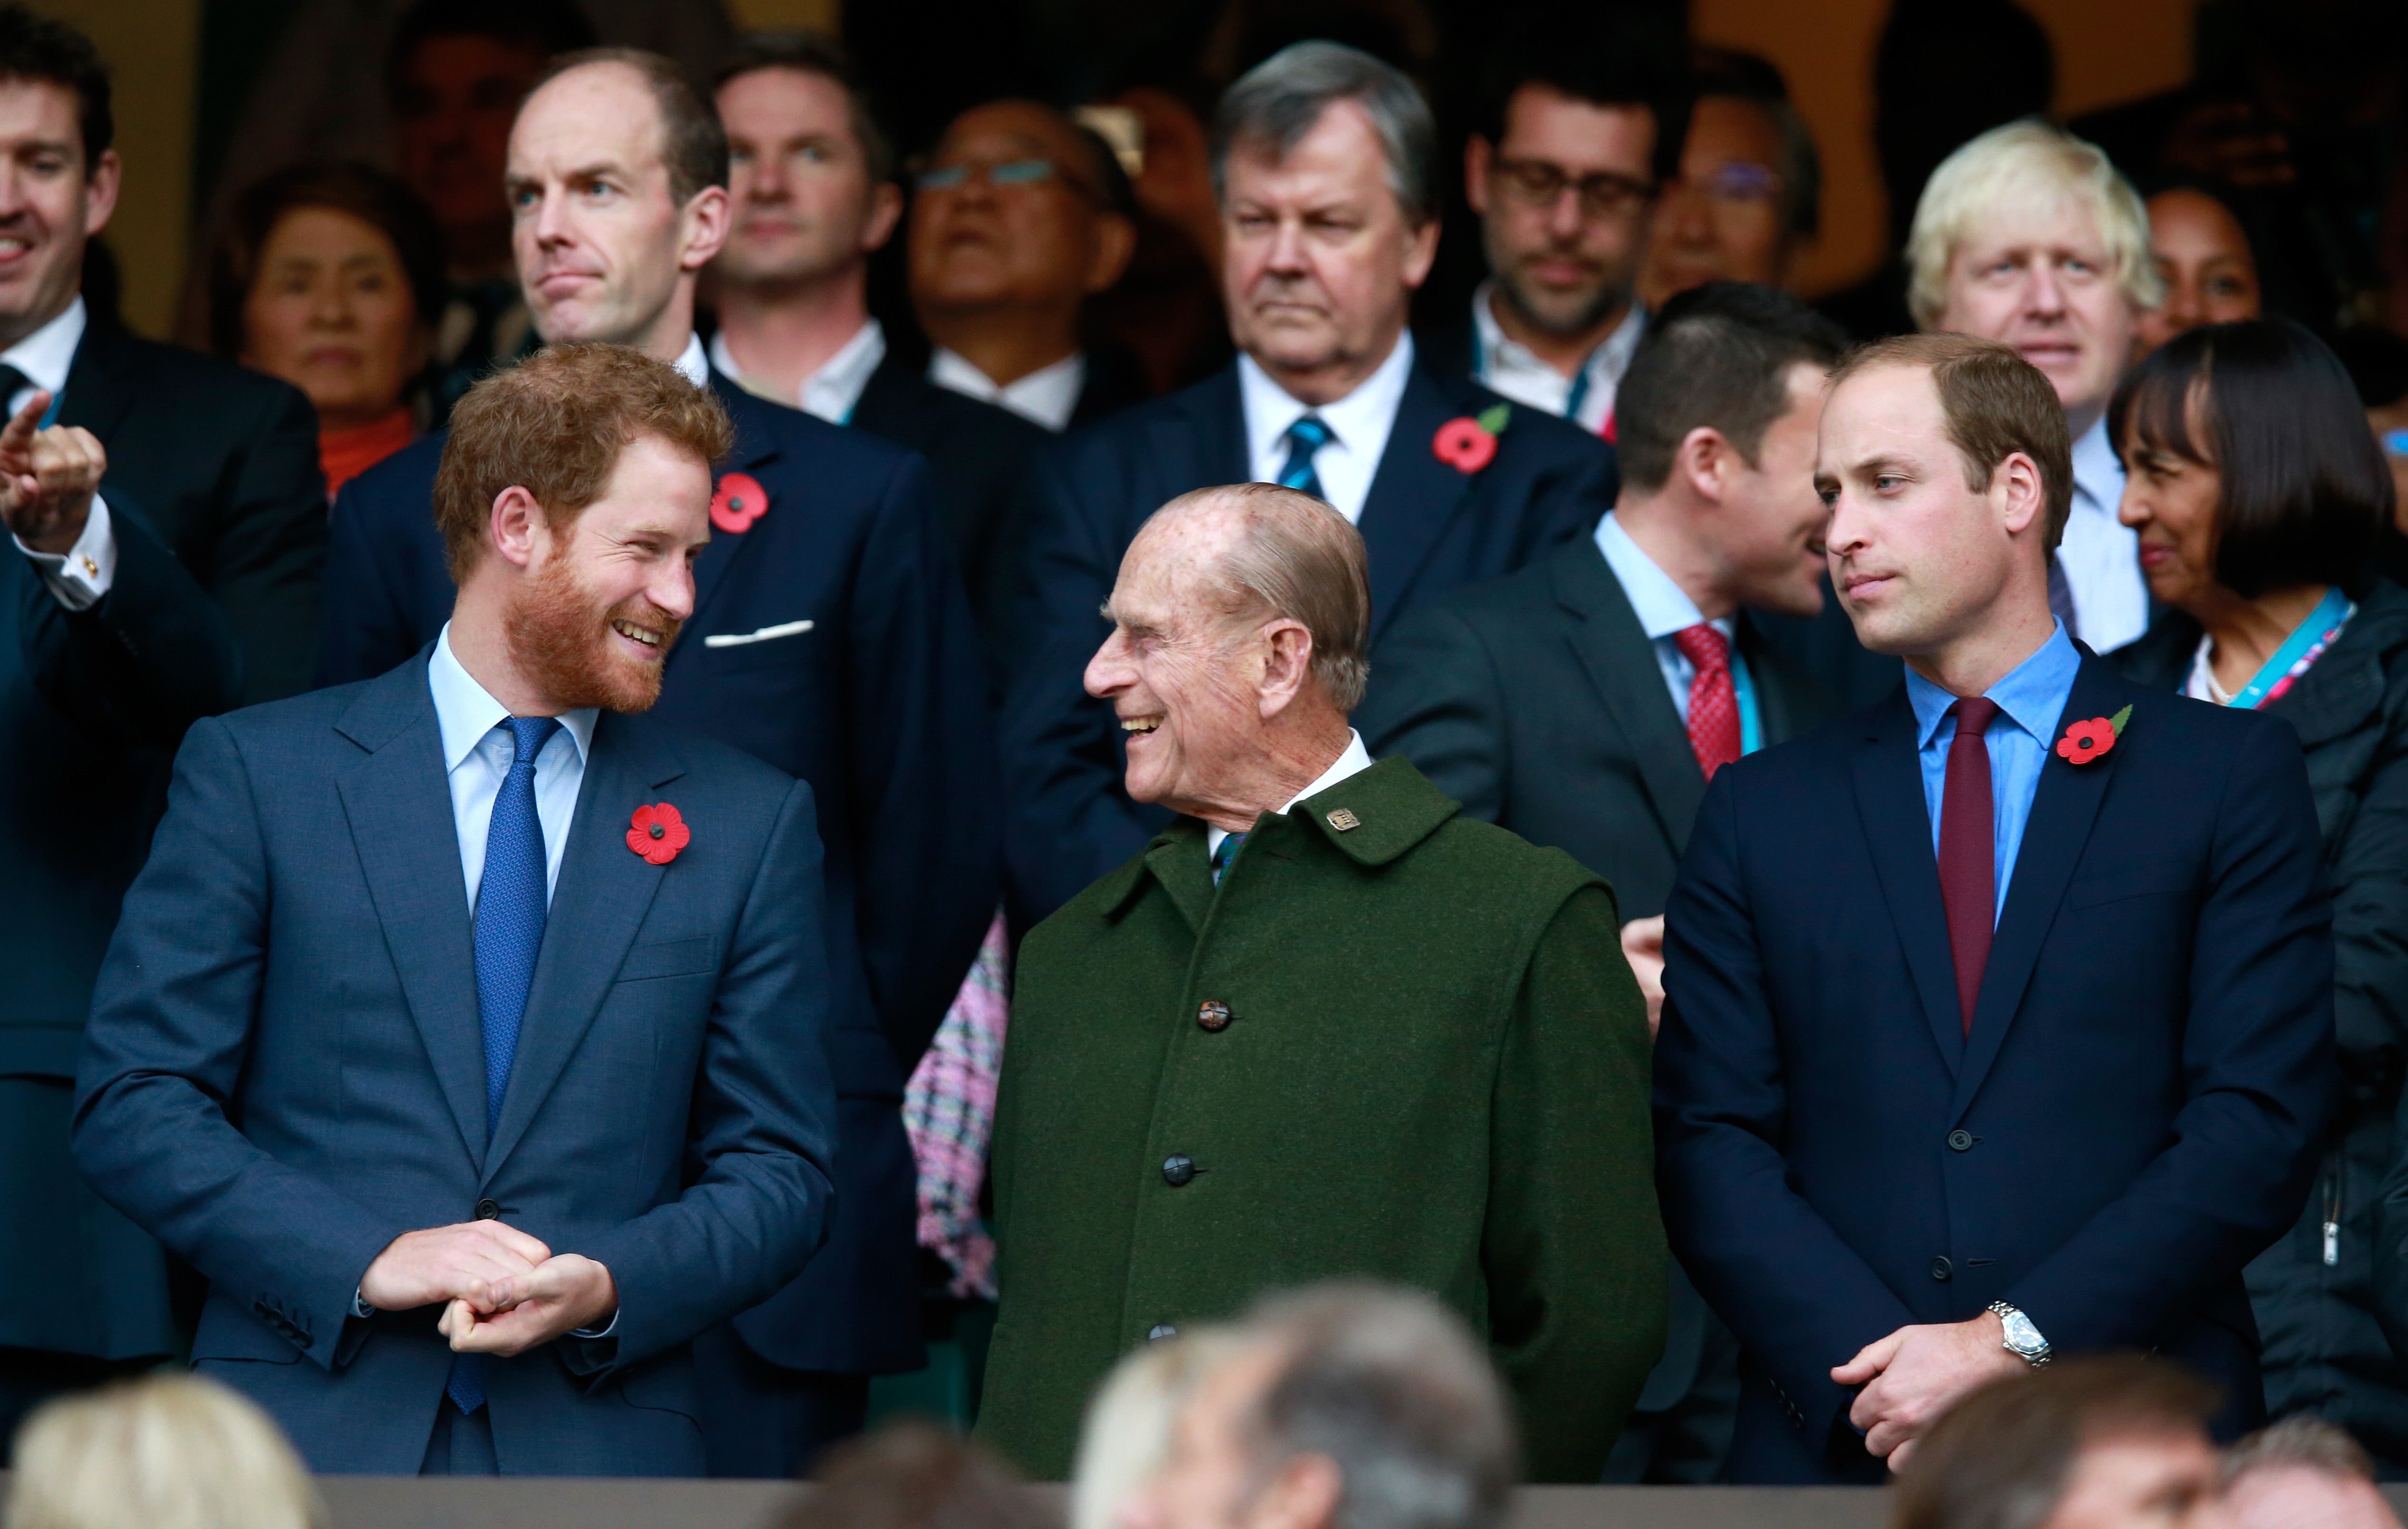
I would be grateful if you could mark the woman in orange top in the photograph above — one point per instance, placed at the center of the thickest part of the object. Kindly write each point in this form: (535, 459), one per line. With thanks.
(330, 277)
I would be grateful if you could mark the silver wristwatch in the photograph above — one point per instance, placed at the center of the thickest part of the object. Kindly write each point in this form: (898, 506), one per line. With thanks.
(2023, 1340)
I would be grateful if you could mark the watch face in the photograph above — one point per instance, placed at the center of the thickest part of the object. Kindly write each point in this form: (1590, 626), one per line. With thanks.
(2022, 1335)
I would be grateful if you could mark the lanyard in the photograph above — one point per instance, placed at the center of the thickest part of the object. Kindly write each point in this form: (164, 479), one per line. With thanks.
(2304, 646)
(1751, 726)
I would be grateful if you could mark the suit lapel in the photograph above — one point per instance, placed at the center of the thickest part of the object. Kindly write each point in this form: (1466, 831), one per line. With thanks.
(399, 807)
(94, 397)
(1898, 829)
(1204, 442)
(597, 905)
(1621, 663)
(754, 446)
(2063, 810)
(1414, 498)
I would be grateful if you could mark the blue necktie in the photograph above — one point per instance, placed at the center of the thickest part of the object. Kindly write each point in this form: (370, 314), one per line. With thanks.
(1226, 853)
(1304, 438)
(511, 902)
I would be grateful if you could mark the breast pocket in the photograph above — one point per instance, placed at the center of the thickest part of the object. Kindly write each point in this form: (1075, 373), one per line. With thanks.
(689, 957)
(786, 643)
(2123, 883)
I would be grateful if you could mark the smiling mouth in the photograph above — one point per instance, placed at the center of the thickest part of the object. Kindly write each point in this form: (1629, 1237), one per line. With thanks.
(632, 632)
(1140, 724)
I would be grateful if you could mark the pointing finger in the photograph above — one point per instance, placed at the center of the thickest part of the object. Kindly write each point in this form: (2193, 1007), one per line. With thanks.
(22, 425)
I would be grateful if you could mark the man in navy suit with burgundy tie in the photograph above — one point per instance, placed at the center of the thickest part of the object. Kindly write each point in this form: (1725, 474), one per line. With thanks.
(464, 1029)
(1998, 1016)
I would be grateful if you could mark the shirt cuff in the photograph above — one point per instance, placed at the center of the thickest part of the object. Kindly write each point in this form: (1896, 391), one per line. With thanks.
(360, 1307)
(81, 575)
(605, 1331)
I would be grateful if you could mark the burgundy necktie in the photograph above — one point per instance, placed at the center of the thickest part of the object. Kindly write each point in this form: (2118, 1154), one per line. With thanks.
(1969, 874)
(1714, 703)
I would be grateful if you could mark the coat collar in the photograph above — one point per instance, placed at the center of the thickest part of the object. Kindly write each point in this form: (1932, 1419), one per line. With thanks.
(2343, 688)
(1414, 496)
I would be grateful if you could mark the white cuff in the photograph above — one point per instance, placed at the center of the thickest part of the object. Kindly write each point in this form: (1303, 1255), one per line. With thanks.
(81, 575)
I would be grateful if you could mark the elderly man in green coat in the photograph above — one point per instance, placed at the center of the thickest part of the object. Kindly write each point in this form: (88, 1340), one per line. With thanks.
(1324, 1026)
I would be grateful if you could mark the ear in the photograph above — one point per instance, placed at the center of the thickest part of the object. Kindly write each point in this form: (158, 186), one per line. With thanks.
(1304, 1494)
(703, 228)
(517, 528)
(100, 192)
(1706, 460)
(2017, 489)
(886, 209)
(1421, 248)
(1287, 666)
(1475, 174)
(1115, 242)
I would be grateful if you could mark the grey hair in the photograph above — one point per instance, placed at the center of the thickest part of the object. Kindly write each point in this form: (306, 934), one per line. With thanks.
(1278, 101)
(1301, 560)
(2303, 1440)
(1393, 1389)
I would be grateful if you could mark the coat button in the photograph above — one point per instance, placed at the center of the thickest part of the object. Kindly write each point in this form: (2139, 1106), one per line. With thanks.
(1177, 1170)
(488, 1210)
(1941, 1269)
(1212, 1015)
(1962, 1141)
(1160, 1331)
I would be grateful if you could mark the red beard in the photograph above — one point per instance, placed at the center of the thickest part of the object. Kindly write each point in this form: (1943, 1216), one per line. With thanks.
(564, 644)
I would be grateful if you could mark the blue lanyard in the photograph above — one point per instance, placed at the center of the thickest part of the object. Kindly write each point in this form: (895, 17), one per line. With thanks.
(1751, 727)
(2334, 609)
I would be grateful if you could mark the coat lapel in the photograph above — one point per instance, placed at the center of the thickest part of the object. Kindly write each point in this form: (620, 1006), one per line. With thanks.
(1415, 497)
(399, 807)
(597, 905)
(1621, 663)
(1898, 829)
(2064, 807)
(97, 396)
(1203, 442)
(754, 446)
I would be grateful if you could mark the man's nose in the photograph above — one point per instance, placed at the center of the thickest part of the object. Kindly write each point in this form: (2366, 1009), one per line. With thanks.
(1567, 215)
(2044, 291)
(1286, 253)
(674, 592)
(1108, 672)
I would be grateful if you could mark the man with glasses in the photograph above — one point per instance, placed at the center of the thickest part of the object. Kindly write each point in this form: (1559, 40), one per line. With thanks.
(1577, 134)
(1750, 187)
(1021, 216)
(1325, 163)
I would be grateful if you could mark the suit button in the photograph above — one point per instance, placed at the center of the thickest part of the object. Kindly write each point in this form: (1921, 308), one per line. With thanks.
(1212, 1015)
(488, 1210)
(1160, 1331)
(1177, 1170)
(1962, 1141)
(1942, 1270)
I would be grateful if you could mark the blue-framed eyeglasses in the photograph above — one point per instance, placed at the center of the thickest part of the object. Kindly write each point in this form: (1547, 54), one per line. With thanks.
(1016, 172)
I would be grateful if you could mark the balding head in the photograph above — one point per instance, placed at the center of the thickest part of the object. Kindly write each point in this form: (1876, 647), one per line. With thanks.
(1241, 623)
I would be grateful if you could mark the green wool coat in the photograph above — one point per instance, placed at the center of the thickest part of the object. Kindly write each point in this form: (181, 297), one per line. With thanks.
(1434, 1069)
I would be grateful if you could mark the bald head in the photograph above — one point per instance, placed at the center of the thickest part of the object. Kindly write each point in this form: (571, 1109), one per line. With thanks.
(1275, 551)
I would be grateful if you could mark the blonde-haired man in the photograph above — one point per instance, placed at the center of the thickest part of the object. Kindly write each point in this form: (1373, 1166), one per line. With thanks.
(2027, 234)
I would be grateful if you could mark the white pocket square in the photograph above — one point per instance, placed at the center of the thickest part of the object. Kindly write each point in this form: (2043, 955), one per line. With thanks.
(737, 640)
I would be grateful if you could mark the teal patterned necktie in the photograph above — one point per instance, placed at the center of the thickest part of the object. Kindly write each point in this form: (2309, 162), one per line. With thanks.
(1226, 853)
(1305, 437)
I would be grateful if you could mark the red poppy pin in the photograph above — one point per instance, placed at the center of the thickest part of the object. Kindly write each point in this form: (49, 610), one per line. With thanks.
(657, 832)
(739, 502)
(2094, 739)
(1468, 443)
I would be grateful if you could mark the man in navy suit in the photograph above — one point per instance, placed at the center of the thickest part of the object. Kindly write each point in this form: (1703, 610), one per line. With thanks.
(463, 1028)
(836, 643)
(1324, 157)
(1998, 1016)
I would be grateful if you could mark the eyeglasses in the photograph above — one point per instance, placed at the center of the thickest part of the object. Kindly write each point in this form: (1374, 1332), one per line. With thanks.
(1535, 182)
(1017, 172)
(1738, 181)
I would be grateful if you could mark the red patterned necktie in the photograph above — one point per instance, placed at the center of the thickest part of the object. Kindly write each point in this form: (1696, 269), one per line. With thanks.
(1969, 868)
(1714, 703)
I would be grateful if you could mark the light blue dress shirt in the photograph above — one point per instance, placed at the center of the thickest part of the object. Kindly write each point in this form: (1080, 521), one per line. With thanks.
(477, 754)
(1663, 608)
(2031, 701)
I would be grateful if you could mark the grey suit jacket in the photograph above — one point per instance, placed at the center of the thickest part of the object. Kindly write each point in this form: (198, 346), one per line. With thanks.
(283, 1071)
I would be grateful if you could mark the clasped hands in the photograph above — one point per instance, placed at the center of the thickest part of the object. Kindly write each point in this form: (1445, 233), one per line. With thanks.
(47, 479)
(1918, 1373)
(503, 1292)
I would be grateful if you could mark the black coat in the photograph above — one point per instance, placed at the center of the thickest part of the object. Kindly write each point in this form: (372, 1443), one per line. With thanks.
(2325, 1352)
(219, 514)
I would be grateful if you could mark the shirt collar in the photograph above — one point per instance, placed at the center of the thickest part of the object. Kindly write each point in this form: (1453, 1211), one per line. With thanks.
(1048, 395)
(694, 362)
(2098, 471)
(1352, 420)
(47, 354)
(1662, 607)
(1354, 761)
(2032, 695)
(466, 711)
(837, 386)
(1498, 350)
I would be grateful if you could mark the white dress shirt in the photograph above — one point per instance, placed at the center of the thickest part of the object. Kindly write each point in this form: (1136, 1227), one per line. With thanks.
(1504, 364)
(80, 576)
(1358, 424)
(693, 363)
(831, 393)
(1355, 759)
(1048, 395)
(2100, 554)
(1663, 608)
(476, 755)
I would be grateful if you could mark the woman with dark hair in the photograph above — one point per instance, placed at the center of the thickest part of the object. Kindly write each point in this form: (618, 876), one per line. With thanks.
(2259, 496)
(2198, 235)
(330, 277)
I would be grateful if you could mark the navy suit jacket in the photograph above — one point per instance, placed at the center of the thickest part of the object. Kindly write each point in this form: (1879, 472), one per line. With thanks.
(284, 1071)
(1429, 528)
(879, 701)
(2133, 1118)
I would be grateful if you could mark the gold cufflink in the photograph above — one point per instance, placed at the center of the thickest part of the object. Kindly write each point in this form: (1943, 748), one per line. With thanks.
(90, 569)
(1343, 820)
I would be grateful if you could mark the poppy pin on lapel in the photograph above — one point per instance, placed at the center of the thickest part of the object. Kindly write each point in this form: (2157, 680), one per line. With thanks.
(657, 832)
(2086, 742)
(740, 501)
